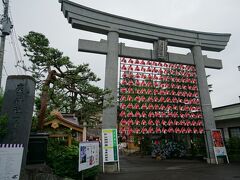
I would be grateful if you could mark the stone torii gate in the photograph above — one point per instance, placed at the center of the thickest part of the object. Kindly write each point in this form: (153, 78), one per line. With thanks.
(115, 27)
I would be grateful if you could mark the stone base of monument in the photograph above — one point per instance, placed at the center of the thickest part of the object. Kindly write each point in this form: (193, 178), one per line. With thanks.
(111, 167)
(37, 171)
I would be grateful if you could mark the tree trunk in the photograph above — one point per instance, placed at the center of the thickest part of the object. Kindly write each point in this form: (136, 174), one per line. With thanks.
(73, 103)
(44, 98)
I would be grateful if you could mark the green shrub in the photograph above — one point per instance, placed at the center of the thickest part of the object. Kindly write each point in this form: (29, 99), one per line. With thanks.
(3, 118)
(198, 147)
(64, 160)
(233, 148)
(3, 125)
(145, 146)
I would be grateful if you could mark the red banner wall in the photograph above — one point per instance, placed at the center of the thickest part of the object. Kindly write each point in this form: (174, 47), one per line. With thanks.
(158, 97)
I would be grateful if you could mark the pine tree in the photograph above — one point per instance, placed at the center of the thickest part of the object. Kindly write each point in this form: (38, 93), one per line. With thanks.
(62, 84)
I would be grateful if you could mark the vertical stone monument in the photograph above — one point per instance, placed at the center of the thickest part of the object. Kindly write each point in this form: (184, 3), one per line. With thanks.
(18, 107)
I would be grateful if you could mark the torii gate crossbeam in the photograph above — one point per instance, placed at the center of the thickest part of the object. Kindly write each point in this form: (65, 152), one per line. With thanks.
(84, 18)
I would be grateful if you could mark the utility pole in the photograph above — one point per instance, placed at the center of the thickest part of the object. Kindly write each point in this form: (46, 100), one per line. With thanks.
(6, 30)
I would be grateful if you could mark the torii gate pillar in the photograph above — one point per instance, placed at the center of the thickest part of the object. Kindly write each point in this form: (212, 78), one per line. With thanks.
(111, 79)
(207, 111)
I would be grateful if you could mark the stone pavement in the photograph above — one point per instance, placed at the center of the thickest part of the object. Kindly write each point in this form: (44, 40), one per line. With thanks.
(137, 168)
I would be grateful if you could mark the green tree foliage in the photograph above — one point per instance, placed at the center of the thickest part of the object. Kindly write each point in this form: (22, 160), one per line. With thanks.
(1, 98)
(62, 84)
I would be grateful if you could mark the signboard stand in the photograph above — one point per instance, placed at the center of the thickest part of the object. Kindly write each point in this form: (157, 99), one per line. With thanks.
(218, 145)
(10, 161)
(110, 150)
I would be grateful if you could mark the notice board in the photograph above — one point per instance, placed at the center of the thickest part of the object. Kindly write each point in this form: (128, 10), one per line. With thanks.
(10, 161)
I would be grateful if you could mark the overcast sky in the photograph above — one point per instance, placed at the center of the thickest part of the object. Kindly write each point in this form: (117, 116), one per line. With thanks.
(220, 16)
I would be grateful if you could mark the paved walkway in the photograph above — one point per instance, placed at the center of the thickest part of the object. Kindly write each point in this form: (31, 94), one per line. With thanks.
(137, 168)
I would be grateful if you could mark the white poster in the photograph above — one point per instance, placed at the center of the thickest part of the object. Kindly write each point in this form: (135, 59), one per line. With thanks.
(88, 155)
(110, 145)
(220, 151)
(10, 161)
